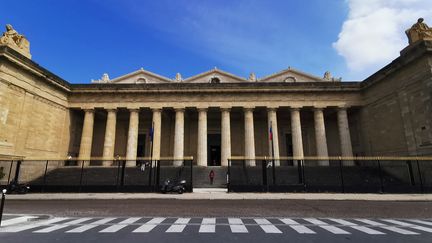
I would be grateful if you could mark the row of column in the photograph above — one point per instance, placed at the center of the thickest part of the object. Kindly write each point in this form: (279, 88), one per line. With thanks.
(249, 142)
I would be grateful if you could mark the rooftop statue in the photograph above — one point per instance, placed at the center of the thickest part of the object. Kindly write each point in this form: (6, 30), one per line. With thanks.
(419, 31)
(16, 41)
(178, 77)
(252, 77)
(327, 75)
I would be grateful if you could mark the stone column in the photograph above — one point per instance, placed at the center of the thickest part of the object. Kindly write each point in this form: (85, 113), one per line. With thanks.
(202, 138)
(249, 137)
(157, 125)
(132, 142)
(179, 137)
(110, 134)
(272, 121)
(344, 135)
(87, 136)
(296, 134)
(225, 136)
(320, 136)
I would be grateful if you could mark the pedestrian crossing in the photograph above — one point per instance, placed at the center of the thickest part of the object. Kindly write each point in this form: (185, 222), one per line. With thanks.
(211, 225)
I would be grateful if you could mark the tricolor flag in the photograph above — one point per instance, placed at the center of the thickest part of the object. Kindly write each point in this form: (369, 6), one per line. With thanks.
(152, 132)
(271, 133)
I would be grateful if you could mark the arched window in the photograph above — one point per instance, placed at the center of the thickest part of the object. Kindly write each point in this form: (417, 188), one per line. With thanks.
(215, 80)
(141, 81)
(290, 79)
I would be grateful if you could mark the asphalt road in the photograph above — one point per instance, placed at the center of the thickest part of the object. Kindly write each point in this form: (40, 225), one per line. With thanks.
(218, 221)
(223, 208)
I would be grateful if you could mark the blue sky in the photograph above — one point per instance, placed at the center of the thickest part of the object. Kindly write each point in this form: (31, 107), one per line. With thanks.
(81, 40)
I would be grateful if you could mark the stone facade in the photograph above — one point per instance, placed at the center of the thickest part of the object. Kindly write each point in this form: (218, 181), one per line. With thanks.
(215, 115)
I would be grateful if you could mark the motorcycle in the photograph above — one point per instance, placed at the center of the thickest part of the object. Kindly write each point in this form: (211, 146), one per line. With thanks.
(15, 188)
(173, 186)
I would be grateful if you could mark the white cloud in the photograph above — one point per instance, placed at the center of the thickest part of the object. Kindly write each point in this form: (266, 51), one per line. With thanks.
(374, 33)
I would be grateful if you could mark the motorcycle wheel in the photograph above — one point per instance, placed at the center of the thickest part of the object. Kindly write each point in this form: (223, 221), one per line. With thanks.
(180, 191)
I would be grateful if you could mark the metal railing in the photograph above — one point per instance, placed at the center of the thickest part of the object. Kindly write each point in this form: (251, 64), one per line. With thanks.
(95, 175)
(332, 174)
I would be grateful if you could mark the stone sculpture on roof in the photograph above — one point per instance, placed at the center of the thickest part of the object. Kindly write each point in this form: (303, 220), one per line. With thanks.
(419, 31)
(178, 77)
(252, 77)
(16, 41)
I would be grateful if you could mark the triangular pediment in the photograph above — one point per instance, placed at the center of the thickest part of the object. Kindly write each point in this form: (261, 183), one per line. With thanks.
(137, 77)
(291, 75)
(215, 74)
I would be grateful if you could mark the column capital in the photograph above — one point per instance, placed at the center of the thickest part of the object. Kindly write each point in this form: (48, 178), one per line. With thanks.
(319, 108)
(248, 108)
(228, 109)
(202, 109)
(272, 108)
(133, 109)
(295, 108)
(89, 110)
(111, 109)
(156, 109)
(179, 109)
(343, 107)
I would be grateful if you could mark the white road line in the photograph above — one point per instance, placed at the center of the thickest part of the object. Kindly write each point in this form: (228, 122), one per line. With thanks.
(20, 228)
(412, 226)
(386, 227)
(17, 220)
(267, 226)
(420, 221)
(90, 226)
(358, 227)
(330, 228)
(147, 227)
(119, 226)
(297, 227)
(61, 226)
(208, 225)
(237, 225)
(178, 226)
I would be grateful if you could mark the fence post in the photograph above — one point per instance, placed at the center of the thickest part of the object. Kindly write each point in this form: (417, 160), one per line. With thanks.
(341, 175)
(264, 173)
(10, 172)
(157, 174)
(81, 175)
(122, 173)
(380, 176)
(229, 175)
(191, 174)
(44, 179)
(274, 171)
(410, 172)
(150, 174)
(420, 176)
(3, 198)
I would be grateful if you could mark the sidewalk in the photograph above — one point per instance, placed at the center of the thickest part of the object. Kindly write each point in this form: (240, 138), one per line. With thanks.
(220, 195)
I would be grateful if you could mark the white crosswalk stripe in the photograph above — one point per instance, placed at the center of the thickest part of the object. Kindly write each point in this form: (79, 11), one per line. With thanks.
(386, 227)
(237, 225)
(119, 226)
(364, 229)
(17, 220)
(90, 226)
(324, 225)
(178, 226)
(61, 226)
(267, 226)
(297, 227)
(412, 226)
(147, 227)
(208, 225)
(19, 228)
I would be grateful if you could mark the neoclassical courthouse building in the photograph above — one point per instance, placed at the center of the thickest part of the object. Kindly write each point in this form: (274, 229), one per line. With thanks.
(215, 115)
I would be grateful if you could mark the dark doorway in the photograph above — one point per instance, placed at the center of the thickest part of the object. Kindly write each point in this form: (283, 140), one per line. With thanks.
(141, 146)
(214, 150)
(289, 147)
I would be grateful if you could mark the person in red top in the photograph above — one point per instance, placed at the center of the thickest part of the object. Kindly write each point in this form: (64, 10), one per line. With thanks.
(211, 176)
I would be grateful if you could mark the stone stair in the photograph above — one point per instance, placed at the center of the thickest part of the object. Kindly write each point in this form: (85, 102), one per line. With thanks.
(201, 176)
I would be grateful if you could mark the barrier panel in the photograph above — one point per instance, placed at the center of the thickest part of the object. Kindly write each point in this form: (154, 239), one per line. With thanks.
(346, 175)
(141, 175)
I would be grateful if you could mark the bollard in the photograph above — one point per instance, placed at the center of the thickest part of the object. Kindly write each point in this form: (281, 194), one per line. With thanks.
(2, 204)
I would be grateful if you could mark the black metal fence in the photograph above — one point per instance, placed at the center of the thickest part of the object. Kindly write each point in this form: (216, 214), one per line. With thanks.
(94, 175)
(366, 175)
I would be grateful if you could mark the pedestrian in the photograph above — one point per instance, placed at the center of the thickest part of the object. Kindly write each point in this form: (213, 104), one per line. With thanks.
(211, 176)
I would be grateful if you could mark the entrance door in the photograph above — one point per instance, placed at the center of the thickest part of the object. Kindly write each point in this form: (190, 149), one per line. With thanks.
(214, 150)
(141, 146)
(289, 147)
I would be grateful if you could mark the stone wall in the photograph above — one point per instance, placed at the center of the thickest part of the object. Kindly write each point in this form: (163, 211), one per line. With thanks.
(396, 118)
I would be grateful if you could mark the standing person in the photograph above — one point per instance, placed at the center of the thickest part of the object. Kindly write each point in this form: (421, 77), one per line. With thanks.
(211, 176)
